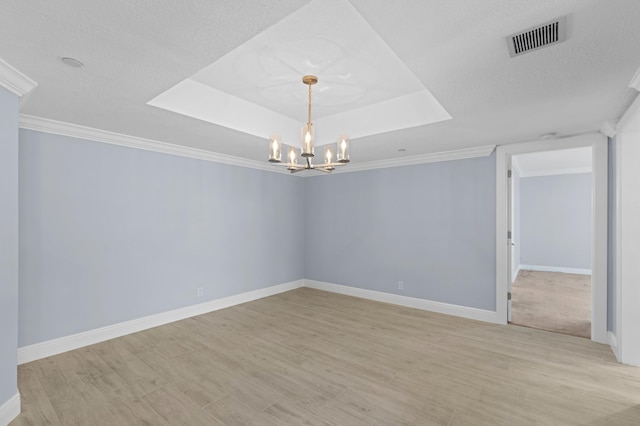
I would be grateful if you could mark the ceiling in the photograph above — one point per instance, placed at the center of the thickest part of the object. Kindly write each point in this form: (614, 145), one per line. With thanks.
(134, 51)
(364, 89)
(556, 162)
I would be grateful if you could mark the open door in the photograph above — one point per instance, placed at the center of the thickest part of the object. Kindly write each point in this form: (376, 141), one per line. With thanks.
(509, 236)
(504, 223)
(550, 202)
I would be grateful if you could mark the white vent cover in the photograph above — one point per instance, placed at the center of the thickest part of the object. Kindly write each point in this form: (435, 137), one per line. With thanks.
(544, 35)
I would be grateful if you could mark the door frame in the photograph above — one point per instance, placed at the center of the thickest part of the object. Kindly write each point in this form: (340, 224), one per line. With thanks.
(626, 339)
(510, 226)
(598, 144)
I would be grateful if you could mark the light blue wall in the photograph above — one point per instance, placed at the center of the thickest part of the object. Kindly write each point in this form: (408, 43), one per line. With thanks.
(8, 244)
(109, 234)
(555, 214)
(612, 278)
(431, 226)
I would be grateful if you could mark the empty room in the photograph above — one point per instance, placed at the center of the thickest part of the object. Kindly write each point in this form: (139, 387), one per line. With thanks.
(318, 212)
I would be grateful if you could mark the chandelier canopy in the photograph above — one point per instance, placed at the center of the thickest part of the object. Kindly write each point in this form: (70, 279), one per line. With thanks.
(307, 150)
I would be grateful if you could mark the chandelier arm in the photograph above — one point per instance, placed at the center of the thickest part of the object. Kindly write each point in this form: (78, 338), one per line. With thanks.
(321, 169)
(295, 166)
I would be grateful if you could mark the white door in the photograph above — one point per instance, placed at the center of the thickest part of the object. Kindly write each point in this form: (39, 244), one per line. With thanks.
(509, 239)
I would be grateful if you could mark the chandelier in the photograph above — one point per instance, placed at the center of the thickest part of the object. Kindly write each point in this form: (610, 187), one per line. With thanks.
(307, 150)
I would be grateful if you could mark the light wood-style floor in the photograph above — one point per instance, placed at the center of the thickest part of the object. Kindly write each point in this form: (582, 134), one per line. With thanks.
(312, 357)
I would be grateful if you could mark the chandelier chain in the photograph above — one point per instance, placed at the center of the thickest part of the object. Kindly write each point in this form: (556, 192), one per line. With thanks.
(309, 106)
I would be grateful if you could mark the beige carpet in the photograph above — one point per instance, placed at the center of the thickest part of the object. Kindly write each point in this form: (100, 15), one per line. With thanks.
(553, 301)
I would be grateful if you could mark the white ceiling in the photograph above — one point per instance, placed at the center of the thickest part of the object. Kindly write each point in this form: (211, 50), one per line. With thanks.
(364, 88)
(135, 50)
(561, 161)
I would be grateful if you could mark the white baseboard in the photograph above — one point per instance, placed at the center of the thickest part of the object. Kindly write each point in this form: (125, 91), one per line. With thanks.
(555, 269)
(411, 302)
(612, 341)
(515, 274)
(75, 341)
(10, 410)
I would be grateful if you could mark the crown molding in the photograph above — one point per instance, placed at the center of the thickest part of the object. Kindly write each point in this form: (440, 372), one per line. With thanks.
(608, 128)
(458, 154)
(82, 132)
(15, 81)
(47, 125)
(555, 172)
(635, 81)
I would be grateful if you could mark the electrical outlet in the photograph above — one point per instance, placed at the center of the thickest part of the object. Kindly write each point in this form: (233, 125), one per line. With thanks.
(400, 285)
(200, 292)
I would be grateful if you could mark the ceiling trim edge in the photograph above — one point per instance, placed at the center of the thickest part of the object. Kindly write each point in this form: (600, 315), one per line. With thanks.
(458, 154)
(47, 125)
(82, 132)
(14, 80)
(635, 81)
(554, 172)
(608, 128)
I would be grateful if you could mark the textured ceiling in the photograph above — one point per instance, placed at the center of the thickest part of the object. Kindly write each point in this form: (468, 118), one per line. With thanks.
(135, 50)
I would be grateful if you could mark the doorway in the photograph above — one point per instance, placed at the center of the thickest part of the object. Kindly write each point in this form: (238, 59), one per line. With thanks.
(504, 268)
(551, 223)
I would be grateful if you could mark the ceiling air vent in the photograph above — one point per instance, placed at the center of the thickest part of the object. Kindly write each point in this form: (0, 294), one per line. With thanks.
(538, 37)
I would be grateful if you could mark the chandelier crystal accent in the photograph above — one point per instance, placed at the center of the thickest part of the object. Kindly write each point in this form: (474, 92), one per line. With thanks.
(307, 149)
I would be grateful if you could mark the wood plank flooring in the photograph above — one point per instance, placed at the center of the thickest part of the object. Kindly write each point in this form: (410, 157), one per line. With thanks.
(317, 358)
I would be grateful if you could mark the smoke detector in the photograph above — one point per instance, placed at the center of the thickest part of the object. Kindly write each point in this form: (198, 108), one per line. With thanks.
(72, 62)
(540, 36)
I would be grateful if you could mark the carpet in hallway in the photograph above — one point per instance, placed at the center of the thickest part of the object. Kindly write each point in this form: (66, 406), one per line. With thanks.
(553, 301)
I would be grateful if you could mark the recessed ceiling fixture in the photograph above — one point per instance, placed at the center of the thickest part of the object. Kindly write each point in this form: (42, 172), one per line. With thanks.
(402, 150)
(307, 150)
(538, 37)
(72, 62)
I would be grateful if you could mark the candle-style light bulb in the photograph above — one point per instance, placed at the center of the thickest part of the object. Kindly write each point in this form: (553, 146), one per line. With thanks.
(275, 148)
(343, 149)
(328, 157)
(292, 155)
(307, 140)
(328, 153)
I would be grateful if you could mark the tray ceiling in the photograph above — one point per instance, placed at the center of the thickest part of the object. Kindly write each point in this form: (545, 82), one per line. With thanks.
(450, 57)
